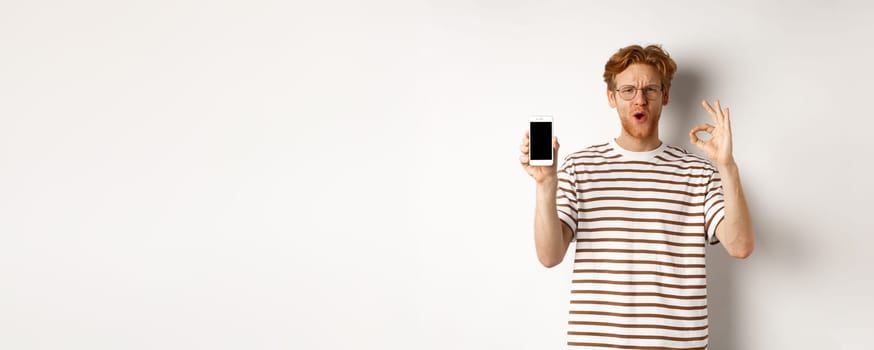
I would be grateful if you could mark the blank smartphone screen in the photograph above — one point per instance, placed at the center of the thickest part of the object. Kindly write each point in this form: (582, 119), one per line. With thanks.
(541, 140)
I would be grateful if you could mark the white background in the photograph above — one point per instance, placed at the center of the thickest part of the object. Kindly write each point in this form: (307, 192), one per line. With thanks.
(344, 175)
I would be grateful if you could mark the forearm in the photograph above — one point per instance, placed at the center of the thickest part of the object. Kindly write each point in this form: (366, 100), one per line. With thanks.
(548, 237)
(736, 228)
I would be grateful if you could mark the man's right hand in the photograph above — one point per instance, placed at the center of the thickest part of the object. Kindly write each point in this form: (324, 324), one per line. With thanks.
(542, 174)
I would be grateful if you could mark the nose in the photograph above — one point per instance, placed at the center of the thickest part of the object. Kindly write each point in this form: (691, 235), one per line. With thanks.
(639, 98)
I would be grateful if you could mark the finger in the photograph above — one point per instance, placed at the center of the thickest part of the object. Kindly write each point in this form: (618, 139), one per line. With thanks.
(523, 159)
(555, 151)
(720, 113)
(524, 149)
(693, 138)
(706, 106)
(709, 109)
(704, 127)
(727, 119)
(693, 134)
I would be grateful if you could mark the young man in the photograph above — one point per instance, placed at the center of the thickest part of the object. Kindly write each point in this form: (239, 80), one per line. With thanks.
(640, 213)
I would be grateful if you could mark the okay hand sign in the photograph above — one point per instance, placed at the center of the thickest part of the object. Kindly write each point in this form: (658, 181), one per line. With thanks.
(718, 147)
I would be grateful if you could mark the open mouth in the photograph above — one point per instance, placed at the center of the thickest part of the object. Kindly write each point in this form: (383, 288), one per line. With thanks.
(640, 116)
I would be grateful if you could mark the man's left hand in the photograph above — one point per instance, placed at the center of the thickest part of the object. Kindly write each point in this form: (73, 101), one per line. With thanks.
(718, 147)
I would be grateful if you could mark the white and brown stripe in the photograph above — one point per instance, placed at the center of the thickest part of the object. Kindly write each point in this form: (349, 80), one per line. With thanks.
(642, 221)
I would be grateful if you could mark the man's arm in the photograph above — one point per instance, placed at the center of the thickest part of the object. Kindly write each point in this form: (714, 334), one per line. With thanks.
(736, 231)
(551, 236)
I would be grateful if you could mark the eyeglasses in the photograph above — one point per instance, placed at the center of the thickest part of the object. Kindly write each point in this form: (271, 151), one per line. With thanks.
(652, 92)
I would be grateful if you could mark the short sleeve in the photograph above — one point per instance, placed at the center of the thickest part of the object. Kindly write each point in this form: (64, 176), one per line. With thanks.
(714, 206)
(566, 196)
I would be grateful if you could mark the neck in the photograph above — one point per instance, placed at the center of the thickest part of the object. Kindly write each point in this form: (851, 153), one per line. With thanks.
(634, 144)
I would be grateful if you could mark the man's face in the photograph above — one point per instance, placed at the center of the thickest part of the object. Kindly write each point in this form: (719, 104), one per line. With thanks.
(640, 115)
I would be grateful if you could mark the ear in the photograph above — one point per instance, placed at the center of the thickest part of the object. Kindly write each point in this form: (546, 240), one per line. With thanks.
(611, 97)
(666, 97)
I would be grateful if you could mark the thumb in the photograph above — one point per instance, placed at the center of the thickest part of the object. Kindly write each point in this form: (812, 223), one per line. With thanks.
(555, 146)
(693, 139)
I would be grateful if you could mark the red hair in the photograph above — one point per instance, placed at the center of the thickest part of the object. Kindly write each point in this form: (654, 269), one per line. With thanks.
(652, 55)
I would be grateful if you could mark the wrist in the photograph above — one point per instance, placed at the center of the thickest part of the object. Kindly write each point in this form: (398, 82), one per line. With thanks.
(548, 184)
(727, 166)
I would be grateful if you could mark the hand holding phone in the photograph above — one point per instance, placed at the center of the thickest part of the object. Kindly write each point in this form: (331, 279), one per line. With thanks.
(539, 149)
(540, 131)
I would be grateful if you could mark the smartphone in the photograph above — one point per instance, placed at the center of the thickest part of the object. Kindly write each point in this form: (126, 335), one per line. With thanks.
(540, 140)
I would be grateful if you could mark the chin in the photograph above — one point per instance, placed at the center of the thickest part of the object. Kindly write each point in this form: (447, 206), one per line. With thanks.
(638, 132)
(641, 135)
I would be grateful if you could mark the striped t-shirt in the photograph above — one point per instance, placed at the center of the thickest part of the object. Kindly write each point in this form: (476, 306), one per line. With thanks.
(641, 223)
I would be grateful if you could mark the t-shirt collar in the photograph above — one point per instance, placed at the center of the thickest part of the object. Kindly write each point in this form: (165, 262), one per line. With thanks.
(631, 155)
